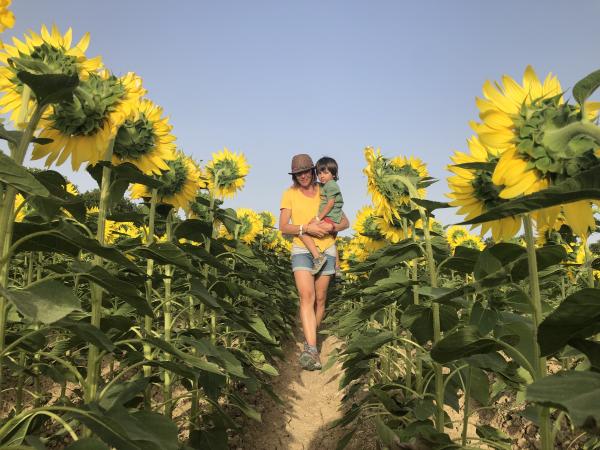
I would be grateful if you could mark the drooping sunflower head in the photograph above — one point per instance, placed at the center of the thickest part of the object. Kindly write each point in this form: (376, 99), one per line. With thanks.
(52, 53)
(226, 173)
(267, 218)
(180, 183)
(388, 182)
(366, 223)
(145, 140)
(470, 241)
(474, 192)
(250, 225)
(82, 129)
(454, 233)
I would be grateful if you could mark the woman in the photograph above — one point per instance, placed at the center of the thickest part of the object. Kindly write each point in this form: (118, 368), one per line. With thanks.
(299, 205)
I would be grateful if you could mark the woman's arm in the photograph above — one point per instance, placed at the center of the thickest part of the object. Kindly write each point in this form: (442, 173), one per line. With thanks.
(288, 228)
(344, 223)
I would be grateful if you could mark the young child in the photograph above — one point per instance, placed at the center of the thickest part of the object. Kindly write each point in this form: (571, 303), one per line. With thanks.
(330, 209)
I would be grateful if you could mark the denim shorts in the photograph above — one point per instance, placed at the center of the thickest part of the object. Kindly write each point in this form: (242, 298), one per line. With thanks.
(304, 261)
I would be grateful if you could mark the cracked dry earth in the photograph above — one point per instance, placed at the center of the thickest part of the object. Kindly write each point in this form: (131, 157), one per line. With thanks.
(311, 401)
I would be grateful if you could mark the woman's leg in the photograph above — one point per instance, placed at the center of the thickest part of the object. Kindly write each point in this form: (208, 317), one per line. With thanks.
(305, 283)
(321, 285)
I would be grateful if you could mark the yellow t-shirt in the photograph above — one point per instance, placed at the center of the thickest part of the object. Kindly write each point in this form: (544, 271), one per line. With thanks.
(303, 209)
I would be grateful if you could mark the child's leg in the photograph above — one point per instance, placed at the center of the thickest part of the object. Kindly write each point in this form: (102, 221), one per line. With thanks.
(310, 245)
(337, 258)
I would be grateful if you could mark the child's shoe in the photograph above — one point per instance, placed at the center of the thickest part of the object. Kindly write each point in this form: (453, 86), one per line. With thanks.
(318, 264)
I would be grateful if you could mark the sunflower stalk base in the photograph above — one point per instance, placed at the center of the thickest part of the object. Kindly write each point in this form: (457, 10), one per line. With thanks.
(94, 358)
(536, 303)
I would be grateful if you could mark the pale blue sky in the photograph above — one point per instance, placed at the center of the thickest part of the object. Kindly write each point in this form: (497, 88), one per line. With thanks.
(275, 78)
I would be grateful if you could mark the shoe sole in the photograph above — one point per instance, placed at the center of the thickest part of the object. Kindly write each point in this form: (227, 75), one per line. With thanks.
(319, 266)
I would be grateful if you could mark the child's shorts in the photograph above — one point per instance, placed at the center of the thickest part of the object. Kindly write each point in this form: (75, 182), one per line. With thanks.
(330, 220)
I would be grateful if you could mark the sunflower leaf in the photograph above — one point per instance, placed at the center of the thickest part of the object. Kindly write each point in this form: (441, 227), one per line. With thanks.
(50, 88)
(585, 87)
(19, 177)
(584, 186)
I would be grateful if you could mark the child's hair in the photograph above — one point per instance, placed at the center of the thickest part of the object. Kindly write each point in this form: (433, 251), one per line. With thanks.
(327, 163)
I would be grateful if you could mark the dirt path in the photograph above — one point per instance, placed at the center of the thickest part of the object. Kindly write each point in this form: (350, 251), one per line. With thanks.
(311, 400)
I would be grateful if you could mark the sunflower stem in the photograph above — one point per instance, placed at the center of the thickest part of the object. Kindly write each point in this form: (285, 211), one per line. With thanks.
(168, 318)
(536, 300)
(437, 335)
(588, 262)
(94, 357)
(148, 289)
(7, 211)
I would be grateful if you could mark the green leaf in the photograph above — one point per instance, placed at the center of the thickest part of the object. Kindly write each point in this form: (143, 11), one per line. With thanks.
(465, 341)
(148, 430)
(50, 88)
(585, 87)
(87, 332)
(591, 349)
(480, 386)
(20, 178)
(14, 137)
(576, 392)
(113, 285)
(166, 253)
(223, 357)
(120, 393)
(489, 433)
(576, 316)
(193, 361)
(583, 186)
(193, 230)
(368, 342)
(88, 444)
(46, 301)
(214, 439)
(430, 205)
(385, 433)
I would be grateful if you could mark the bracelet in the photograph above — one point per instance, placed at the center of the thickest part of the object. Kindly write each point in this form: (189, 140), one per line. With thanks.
(300, 231)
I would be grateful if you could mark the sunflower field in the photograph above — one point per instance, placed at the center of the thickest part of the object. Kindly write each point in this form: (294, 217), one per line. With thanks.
(125, 324)
(144, 314)
(458, 341)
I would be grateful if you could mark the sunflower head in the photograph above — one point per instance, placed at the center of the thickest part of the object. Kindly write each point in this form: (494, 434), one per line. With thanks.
(250, 225)
(474, 192)
(267, 218)
(83, 128)
(470, 241)
(366, 223)
(454, 233)
(226, 173)
(145, 139)
(7, 18)
(47, 52)
(180, 183)
(386, 182)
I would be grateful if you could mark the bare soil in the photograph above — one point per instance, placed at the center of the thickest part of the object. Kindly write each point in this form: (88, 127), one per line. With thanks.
(311, 401)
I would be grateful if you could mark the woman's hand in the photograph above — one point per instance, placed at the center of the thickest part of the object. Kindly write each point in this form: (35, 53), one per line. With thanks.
(314, 229)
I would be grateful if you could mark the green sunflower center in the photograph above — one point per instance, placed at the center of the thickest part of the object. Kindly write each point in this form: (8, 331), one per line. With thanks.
(245, 225)
(456, 235)
(370, 228)
(174, 179)
(470, 243)
(94, 99)
(485, 190)
(228, 171)
(135, 138)
(545, 116)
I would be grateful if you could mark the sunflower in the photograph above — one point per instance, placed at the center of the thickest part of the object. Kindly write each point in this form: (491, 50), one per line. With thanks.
(7, 18)
(392, 230)
(112, 230)
(470, 241)
(145, 140)
(83, 128)
(454, 233)
(388, 191)
(72, 189)
(250, 226)
(366, 223)
(473, 191)
(226, 173)
(180, 183)
(523, 123)
(267, 218)
(52, 52)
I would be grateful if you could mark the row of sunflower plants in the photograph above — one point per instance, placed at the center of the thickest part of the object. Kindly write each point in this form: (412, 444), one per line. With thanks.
(443, 329)
(140, 315)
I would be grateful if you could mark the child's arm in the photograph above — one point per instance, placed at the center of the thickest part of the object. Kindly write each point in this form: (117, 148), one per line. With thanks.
(326, 208)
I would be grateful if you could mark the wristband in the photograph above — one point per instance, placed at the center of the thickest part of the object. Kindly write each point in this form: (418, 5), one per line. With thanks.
(300, 231)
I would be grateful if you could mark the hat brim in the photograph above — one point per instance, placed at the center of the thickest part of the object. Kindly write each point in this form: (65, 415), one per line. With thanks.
(301, 170)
